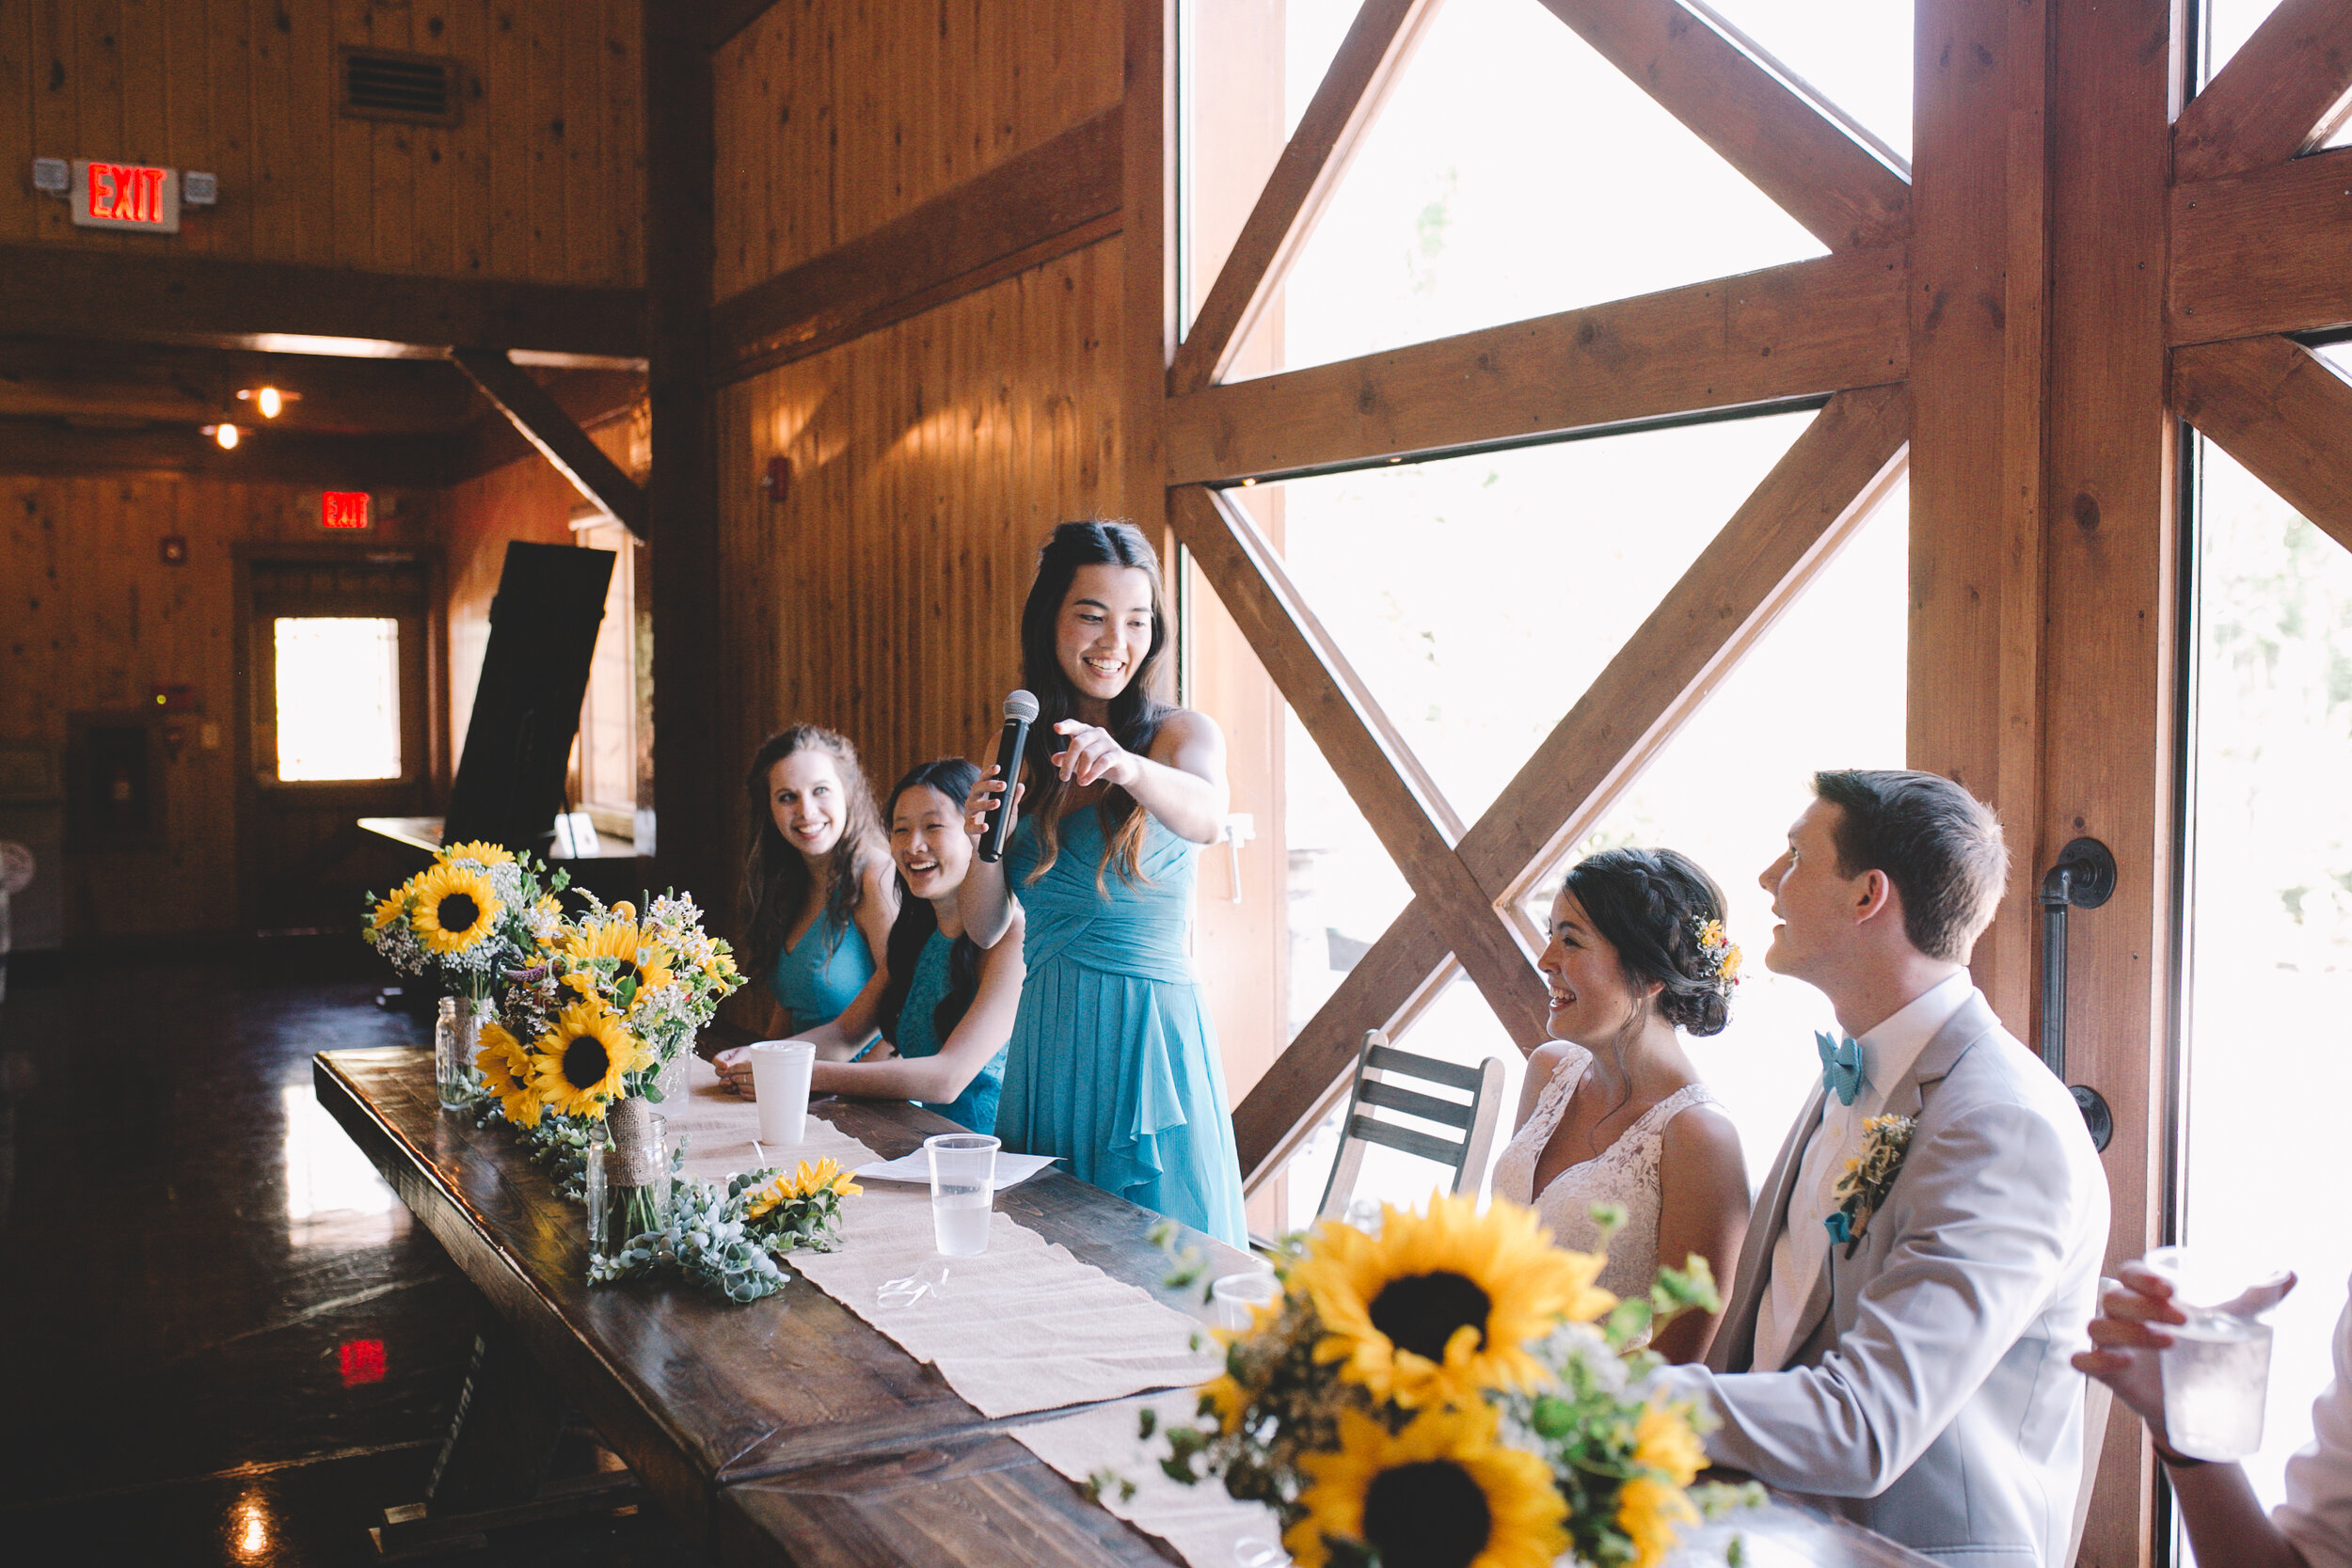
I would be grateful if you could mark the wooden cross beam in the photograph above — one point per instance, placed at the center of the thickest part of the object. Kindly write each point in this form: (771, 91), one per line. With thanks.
(2274, 406)
(2263, 252)
(543, 422)
(2286, 89)
(1790, 525)
(1805, 162)
(1786, 333)
(1370, 59)
(1400, 800)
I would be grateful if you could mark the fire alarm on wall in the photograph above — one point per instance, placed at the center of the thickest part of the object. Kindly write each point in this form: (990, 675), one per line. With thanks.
(777, 483)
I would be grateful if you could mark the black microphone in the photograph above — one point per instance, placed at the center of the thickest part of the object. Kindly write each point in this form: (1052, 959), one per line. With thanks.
(1020, 712)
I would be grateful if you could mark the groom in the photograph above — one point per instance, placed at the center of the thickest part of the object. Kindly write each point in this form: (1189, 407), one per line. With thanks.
(1896, 1342)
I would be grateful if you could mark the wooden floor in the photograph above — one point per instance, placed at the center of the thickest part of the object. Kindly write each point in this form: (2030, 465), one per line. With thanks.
(226, 1342)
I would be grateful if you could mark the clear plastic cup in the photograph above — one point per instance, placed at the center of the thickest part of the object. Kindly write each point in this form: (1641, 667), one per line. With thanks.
(2216, 1371)
(963, 1190)
(780, 1074)
(1235, 1297)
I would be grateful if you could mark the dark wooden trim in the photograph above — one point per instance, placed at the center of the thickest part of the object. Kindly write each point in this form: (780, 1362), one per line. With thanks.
(1787, 148)
(51, 291)
(1803, 330)
(1015, 214)
(2286, 89)
(1148, 249)
(2274, 406)
(543, 422)
(39, 446)
(726, 18)
(1399, 800)
(693, 686)
(1369, 58)
(2263, 252)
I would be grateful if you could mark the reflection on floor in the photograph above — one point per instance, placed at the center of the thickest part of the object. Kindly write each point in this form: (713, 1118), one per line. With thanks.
(225, 1342)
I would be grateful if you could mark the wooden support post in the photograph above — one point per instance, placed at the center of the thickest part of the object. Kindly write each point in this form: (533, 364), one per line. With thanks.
(693, 756)
(1979, 275)
(2110, 548)
(1148, 254)
(541, 420)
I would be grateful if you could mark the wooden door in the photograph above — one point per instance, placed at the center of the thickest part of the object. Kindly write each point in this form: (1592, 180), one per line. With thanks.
(341, 664)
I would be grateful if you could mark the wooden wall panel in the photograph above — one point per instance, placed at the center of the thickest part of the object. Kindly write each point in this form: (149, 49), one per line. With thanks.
(95, 621)
(542, 178)
(834, 116)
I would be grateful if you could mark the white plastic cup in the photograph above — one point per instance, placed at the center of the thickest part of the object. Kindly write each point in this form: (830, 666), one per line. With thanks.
(1236, 1297)
(780, 1074)
(2216, 1371)
(963, 1190)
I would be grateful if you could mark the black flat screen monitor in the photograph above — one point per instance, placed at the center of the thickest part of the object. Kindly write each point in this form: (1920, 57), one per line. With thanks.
(526, 705)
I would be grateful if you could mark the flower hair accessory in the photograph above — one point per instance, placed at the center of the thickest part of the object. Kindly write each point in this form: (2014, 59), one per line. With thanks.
(1719, 954)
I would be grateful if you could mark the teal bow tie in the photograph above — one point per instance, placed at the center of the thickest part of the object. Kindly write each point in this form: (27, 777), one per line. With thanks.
(1841, 1067)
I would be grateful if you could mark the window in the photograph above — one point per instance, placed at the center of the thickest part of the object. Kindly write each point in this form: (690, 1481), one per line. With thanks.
(605, 755)
(338, 697)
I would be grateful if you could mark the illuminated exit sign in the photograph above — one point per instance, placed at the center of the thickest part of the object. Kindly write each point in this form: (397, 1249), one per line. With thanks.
(344, 509)
(125, 196)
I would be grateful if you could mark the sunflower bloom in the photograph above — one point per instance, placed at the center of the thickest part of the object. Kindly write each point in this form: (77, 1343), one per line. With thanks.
(646, 963)
(1441, 1490)
(456, 908)
(482, 854)
(578, 1066)
(506, 1065)
(395, 904)
(1651, 1513)
(825, 1176)
(1440, 1307)
(1664, 1440)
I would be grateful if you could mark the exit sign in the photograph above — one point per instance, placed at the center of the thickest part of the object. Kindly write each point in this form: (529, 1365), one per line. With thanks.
(344, 509)
(125, 196)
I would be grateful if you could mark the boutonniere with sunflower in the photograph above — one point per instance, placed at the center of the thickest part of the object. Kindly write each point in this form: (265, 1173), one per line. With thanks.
(729, 1237)
(1453, 1389)
(1868, 1177)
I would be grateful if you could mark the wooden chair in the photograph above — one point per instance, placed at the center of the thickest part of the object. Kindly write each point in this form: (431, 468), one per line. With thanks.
(1382, 1072)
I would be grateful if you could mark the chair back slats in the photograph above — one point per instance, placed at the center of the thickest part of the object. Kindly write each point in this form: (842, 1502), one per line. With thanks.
(1379, 1068)
(1450, 1113)
(1387, 1058)
(1442, 1151)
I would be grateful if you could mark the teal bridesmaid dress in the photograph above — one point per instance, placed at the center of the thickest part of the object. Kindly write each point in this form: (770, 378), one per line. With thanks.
(915, 1035)
(815, 980)
(1113, 1062)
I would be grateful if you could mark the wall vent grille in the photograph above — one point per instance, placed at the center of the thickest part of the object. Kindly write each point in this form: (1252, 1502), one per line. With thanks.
(383, 84)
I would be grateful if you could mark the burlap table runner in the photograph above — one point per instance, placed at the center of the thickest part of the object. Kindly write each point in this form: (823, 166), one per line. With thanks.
(1207, 1528)
(1025, 1326)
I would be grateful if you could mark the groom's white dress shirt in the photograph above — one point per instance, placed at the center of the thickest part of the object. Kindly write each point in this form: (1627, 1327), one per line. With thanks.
(1921, 1386)
(1798, 1257)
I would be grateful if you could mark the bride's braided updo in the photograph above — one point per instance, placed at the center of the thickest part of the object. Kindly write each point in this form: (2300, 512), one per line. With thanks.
(1652, 906)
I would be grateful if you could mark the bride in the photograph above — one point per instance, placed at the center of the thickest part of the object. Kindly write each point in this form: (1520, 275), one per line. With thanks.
(1613, 1111)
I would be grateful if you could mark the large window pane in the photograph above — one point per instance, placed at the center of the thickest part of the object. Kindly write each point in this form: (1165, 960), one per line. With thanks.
(2269, 1049)
(338, 697)
(1479, 596)
(1513, 172)
(1855, 55)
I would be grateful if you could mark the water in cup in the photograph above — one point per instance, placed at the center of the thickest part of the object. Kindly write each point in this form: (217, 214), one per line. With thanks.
(2216, 1373)
(960, 1223)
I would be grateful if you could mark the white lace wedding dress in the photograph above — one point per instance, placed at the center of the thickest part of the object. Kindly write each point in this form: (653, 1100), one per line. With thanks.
(1625, 1174)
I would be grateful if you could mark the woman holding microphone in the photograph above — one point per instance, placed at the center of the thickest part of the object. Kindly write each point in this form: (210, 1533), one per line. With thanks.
(1113, 1064)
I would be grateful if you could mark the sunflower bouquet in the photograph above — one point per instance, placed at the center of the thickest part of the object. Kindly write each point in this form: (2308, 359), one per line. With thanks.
(475, 913)
(1453, 1390)
(728, 1237)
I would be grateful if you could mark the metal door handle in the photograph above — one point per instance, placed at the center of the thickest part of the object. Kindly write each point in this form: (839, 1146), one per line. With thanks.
(2083, 878)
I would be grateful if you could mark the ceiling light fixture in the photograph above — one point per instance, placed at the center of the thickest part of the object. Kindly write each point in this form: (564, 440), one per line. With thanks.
(226, 434)
(269, 402)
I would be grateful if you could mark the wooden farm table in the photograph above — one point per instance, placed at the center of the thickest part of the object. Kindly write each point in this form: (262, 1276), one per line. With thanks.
(802, 1436)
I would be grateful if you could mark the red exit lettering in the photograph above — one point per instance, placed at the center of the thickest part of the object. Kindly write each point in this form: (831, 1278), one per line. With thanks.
(126, 193)
(344, 509)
